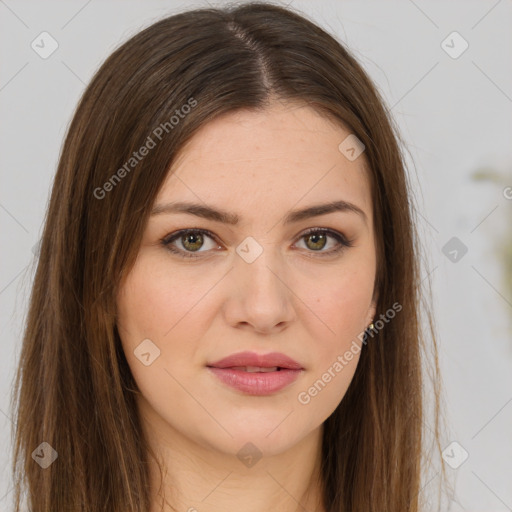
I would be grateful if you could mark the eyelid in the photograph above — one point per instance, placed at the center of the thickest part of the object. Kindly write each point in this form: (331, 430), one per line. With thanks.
(343, 241)
(176, 234)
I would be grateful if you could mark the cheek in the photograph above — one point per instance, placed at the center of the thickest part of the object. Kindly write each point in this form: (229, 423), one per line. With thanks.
(158, 306)
(343, 302)
(342, 307)
(171, 309)
(154, 303)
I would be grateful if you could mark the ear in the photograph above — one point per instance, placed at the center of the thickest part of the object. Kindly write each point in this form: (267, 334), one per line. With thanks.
(372, 310)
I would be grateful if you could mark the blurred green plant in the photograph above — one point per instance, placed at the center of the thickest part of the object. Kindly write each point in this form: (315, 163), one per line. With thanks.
(504, 249)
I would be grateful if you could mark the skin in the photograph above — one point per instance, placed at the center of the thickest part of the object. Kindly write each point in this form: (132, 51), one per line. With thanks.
(290, 300)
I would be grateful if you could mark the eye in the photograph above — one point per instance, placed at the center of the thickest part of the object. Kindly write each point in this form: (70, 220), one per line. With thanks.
(316, 239)
(192, 240)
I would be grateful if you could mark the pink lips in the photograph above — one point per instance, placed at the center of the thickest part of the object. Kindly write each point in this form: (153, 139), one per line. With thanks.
(256, 374)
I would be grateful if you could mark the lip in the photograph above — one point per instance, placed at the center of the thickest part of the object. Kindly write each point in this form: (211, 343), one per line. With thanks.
(256, 383)
(261, 360)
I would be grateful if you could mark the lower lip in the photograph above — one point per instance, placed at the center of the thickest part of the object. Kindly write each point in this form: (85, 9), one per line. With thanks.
(256, 383)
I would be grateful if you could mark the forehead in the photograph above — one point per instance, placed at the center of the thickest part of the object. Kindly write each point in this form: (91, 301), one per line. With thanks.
(269, 160)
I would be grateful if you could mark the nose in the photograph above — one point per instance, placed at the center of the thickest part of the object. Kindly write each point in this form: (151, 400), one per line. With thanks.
(261, 299)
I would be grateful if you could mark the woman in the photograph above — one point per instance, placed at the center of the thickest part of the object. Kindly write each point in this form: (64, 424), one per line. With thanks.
(225, 313)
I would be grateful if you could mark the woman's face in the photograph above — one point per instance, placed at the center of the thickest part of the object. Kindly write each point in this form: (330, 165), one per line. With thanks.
(261, 285)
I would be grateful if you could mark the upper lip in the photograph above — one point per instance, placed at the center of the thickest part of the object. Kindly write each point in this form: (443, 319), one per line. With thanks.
(259, 360)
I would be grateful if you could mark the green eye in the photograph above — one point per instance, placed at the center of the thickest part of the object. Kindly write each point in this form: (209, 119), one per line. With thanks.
(318, 240)
(192, 240)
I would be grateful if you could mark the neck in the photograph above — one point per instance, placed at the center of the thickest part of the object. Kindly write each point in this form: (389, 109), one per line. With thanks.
(197, 478)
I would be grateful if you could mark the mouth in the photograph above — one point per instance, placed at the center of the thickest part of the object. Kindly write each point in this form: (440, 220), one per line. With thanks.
(255, 374)
(256, 369)
(251, 361)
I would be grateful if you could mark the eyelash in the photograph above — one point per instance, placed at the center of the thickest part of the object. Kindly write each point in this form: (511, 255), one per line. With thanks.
(343, 242)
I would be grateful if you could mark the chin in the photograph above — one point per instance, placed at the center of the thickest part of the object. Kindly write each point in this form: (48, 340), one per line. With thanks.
(265, 434)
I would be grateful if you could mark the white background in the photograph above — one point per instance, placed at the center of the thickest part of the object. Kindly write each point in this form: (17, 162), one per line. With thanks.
(454, 114)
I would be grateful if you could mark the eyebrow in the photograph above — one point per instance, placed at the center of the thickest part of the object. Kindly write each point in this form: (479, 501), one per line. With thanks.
(207, 212)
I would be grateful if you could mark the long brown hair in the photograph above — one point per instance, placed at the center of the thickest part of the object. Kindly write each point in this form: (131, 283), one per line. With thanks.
(74, 390)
